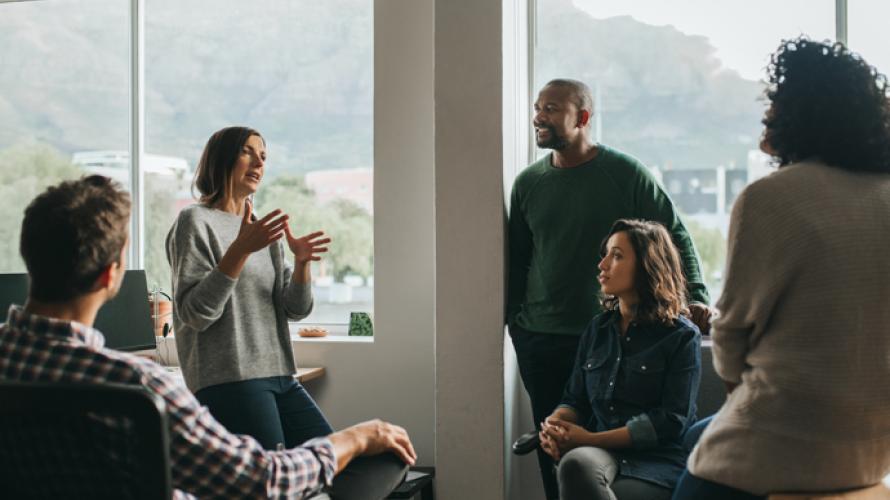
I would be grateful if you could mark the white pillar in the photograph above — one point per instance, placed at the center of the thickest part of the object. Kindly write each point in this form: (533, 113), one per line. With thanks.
(469, 250)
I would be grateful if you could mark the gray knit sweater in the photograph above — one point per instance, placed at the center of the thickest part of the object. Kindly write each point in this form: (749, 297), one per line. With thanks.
(228, 329)
(804, 328)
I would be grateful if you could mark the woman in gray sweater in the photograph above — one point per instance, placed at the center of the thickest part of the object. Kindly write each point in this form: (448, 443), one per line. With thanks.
(233, 294)
(802, 338)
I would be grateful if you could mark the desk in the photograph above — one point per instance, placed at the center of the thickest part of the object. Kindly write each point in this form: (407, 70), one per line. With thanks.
(306, 374)
(303, 375)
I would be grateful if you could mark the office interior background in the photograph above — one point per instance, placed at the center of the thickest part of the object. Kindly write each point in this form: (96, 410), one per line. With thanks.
(397, 126)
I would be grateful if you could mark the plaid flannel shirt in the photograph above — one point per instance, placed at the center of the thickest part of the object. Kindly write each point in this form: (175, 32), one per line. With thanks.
(207, 460)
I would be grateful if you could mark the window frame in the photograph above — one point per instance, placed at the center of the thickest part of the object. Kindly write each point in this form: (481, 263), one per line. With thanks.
(136, 146)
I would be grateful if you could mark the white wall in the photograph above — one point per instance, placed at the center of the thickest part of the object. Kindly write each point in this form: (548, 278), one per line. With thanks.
(393, 378)
(469, 250)
(436, 365)
(521, 473)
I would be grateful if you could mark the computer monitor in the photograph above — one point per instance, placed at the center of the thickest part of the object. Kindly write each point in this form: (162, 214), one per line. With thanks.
(125, 320)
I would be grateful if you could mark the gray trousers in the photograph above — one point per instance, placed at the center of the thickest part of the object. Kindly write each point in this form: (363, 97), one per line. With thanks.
(589, 473)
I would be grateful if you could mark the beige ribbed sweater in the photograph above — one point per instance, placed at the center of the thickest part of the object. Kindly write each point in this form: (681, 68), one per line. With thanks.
(805, 328)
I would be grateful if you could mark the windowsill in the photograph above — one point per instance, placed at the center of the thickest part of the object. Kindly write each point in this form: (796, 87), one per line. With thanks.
(337, 333)
(165, 353)
(344, 339)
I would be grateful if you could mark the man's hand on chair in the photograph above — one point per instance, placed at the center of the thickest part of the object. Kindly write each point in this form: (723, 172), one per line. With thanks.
(372, 438)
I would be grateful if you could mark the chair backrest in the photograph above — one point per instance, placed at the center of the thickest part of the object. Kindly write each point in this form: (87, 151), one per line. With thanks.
(83, 441)
(712, 391)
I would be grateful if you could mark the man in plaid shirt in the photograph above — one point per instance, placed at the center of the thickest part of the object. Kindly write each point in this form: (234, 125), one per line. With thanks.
(74, 243)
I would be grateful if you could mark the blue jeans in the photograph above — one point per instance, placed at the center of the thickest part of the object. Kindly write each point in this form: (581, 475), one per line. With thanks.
(690, 487)
(694, 433)
(273, 410)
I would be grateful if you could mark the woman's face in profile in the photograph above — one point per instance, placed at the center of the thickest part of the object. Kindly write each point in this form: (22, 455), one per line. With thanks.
(618, 267)
(249, 167)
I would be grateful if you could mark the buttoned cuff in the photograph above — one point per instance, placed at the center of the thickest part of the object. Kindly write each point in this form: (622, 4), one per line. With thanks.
(642, 432)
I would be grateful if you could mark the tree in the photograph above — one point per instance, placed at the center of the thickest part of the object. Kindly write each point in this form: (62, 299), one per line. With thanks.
(26, 170)
(711, 246)
(349, 226)
(160, 212)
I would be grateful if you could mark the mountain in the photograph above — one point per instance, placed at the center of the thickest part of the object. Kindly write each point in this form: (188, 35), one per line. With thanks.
(665, 97)
(301, 72)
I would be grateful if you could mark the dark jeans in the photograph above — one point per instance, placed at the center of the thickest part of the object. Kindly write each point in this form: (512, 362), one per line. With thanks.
(545, 364)
(273, 410)
(690, 487)
(690, 439)
(277, 410)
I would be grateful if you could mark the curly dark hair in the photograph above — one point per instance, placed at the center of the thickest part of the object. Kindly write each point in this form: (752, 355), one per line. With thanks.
(826, 103)
(658, 276)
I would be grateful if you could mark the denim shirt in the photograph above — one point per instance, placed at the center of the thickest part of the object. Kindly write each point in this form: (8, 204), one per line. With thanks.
(646, 380)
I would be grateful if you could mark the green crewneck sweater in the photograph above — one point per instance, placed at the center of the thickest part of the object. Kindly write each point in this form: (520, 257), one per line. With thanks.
(558, 219)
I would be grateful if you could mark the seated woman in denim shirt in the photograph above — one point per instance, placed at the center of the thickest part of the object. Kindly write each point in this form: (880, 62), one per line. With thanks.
(617, 433)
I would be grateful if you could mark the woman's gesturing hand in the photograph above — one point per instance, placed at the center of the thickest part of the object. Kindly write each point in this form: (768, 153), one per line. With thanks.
(306, 247)
(257, 235)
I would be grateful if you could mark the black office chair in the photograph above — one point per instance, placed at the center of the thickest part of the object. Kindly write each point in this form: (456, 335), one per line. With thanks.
(712, 390)
(65, 441)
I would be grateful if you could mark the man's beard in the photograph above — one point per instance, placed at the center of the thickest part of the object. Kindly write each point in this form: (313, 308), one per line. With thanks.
(555, 141)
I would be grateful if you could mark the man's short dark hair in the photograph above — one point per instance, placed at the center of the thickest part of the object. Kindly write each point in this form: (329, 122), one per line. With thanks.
(70, 234)
(582, 97)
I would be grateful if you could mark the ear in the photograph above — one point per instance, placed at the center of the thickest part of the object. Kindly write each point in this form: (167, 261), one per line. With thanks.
(109, 276)
(106, 278)
(583, 118)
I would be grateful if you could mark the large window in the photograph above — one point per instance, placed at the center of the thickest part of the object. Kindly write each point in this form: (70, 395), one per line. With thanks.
(678, 84)
(64, 102)
(298, 71)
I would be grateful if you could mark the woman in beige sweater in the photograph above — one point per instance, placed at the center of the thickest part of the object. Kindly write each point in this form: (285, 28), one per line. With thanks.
(803, 339)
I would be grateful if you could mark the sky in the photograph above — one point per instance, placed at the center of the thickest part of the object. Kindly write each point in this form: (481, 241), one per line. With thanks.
(742, 33)
(866, 25)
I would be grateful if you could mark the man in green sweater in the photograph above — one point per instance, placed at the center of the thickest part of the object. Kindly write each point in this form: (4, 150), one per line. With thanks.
(561, 208)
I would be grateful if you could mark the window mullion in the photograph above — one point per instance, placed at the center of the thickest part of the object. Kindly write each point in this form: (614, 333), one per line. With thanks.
(840, 20)
(137, 133)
